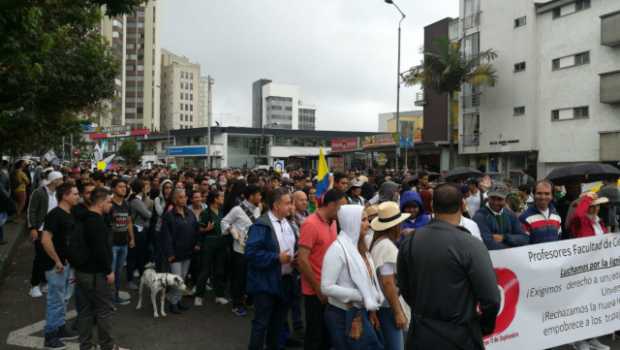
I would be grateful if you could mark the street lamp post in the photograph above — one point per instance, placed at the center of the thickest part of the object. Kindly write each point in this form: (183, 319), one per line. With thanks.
(402, 17)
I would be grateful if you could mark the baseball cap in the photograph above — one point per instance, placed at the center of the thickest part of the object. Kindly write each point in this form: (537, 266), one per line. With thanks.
(499, 189)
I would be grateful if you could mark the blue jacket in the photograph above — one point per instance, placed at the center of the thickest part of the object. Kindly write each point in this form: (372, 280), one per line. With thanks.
(510, 228)
(262, 253)
(540, 228)
(422, 219)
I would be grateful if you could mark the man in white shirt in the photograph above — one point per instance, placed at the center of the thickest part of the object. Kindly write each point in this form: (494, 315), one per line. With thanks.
(237, 223)
(475, 198)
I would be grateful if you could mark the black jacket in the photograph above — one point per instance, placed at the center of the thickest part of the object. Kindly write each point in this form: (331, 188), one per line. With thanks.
(97, 237)
(443, 273)
(180, 234)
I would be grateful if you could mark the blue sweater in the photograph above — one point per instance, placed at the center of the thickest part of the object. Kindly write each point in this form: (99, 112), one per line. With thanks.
(510, 229)
(540, 228)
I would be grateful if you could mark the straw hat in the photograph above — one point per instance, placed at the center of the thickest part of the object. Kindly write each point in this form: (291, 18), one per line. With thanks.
(372, 210)
(389, 216)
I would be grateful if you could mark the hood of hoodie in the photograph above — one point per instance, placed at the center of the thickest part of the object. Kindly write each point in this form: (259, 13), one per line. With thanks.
(161, 187)
(388, 191)
(422, 219)
(350, 220)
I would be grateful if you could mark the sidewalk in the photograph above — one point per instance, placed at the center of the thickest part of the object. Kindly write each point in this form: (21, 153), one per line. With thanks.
(15, 234)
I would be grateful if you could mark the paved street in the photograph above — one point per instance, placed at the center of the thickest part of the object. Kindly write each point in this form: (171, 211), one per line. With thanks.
(210, 327)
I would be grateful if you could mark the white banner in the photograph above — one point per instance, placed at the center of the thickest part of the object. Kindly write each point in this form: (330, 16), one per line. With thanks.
(557, 293)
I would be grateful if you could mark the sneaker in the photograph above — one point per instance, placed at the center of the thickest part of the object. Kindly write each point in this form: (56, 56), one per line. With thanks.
(44, 288)
(132, 286)
(198, 301)
(221, 301)
(240, 311)
(121, 301)
(35, 292)
(581, 345)
(63, 333)
(595, 344)
(52, 342)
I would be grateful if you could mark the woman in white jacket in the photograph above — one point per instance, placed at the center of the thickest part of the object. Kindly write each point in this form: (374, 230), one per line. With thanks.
(349, 282)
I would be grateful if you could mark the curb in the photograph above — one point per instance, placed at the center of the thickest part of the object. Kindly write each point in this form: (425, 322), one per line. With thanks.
(15, 235)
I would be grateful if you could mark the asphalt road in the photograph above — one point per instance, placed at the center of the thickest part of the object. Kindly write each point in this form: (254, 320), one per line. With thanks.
(208, 327)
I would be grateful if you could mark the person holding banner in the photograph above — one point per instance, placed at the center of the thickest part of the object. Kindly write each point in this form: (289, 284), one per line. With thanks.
(446, 276)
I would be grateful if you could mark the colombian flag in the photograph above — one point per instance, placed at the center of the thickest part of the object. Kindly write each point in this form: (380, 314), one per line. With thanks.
(323, 176)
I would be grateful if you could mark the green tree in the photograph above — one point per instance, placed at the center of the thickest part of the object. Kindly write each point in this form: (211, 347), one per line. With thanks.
(129, 150)
(54, 64)
(445, 69)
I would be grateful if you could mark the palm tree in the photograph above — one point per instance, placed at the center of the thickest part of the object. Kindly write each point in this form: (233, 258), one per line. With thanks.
(445, 69)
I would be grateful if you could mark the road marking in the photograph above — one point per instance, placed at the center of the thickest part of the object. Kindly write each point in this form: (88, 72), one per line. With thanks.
(25, 337)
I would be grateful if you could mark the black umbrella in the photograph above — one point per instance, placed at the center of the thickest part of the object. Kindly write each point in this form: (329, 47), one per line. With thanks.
(582, 173)
(462, 173)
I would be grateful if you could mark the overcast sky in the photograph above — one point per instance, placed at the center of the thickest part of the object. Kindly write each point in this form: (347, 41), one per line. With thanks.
(342, 53)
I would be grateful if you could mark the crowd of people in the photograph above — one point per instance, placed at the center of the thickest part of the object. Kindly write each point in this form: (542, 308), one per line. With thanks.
(367, 263)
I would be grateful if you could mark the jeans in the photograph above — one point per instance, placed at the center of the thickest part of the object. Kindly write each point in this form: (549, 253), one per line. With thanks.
(178, 268)
(213, 259)
(338, 323)
(96, 309)
(119, 256)
(317, 336)
(237, 281)
(59, 292)
(392, 336)
(138, 255)
(267, 322)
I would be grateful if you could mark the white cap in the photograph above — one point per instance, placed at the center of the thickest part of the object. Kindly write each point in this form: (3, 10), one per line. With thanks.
(54, 175)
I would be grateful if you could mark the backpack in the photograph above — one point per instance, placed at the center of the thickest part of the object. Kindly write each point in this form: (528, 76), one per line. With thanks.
(78, 252)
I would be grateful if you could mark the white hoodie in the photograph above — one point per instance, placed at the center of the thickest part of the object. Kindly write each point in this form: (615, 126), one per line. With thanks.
(345, 278)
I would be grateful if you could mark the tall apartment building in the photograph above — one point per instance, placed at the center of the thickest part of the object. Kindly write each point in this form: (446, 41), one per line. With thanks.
(180, 92)
(142, 67)
(281, 107)
(206, 101)
(557, 100)
(113, 110)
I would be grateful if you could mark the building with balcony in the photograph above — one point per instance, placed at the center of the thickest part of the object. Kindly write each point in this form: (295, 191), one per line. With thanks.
(557, 100)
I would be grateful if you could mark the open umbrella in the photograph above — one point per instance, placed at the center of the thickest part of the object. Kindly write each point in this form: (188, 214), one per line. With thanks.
(462, 173)
(587, 172)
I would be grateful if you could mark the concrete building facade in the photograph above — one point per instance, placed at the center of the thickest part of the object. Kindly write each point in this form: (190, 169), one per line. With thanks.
(180, 92)
(113, 111)
(554, 102)
(142, 67)
(280, 107)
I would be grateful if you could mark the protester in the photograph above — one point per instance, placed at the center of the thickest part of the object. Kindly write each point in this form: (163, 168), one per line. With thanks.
(300, 204)
(313, 203)
(269, 251)
(212, 246)
(122, 234)
(499, 227)
(20, 183)
(540, 221)
(350, 284)
(476, 199)
(137, 257)
(388, 192)
(426, 191)
(447, 278)
(181, 229)
(341, 182)
(162, 204)
(411, 203)
(355, 193)
(387, 232)
(42, 201)
(237, 223)
(95, 278)
(59, 224)
(318, 232)
(585, 221)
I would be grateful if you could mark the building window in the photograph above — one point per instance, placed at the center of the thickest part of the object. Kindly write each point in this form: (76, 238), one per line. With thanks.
(582, 112)
(569, 9)
(191, 108)
(518, 111)
(191, 97)
(571, 61)
(519, 67)
(520, 22)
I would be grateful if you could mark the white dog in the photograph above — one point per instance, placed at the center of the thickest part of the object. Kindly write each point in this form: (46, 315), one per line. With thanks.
(158, 282)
